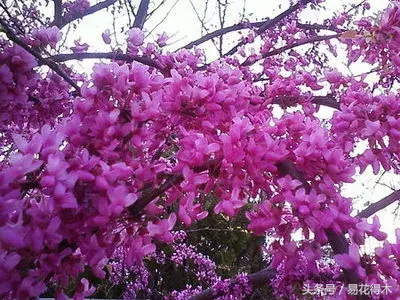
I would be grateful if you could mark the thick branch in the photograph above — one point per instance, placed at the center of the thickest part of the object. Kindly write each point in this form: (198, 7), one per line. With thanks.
(327, 100)
(57, 13)
(44, 61)
(104, 55)
(270, 23)
(314, 39)
(89, 11)
(381, 204)
(256, 279)
(141, 14)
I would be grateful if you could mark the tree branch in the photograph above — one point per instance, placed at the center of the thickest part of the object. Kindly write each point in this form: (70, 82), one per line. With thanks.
(327, 100)
(44, 61)
(314, 39)
(141, 14)
(381, 204)
(57, 13)
(89, 11)
(245, 25)
(105, 55)
(270, 23)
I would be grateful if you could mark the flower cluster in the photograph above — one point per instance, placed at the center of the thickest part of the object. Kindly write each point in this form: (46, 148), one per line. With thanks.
(74, 8)
(237, 288)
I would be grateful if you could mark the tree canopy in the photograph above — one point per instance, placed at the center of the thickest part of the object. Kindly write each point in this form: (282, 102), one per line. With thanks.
(168, 173)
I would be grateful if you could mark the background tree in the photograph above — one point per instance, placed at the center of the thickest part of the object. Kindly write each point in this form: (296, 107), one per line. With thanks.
(188, 172)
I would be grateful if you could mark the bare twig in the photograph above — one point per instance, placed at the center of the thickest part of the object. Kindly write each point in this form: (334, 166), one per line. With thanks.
(155, 8)
(13, 19)
(327, 100)
(222, 7)
(202, 21)
(163, 19)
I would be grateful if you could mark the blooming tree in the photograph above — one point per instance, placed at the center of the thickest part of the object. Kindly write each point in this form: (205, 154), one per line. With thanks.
(98, 173)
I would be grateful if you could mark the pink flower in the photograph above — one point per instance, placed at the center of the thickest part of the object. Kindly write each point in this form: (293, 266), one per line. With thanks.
(106, 36)
(162, 39)
(162, 229)
(288, 184)
(351, 260)
(46, 36)
(189, 212)
(83, 290)
(371, 128)
(79, 48)
(135, 37)
(138, 248)
(30, 287)
(192, 180)
(371, 229)
(264, 218)
(120, 198)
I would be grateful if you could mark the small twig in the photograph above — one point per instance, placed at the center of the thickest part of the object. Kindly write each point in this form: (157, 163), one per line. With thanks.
(155, 9)
(202, 21)
(163, 19)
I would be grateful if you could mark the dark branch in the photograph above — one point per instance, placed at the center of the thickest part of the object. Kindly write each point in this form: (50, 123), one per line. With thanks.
(327, 100)
(246, 25)
(141, 14)
(314, 39)
(89, 11)
(104, 55)
(381, 204)
(44, 61)
(57, 13)
(270, 23)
